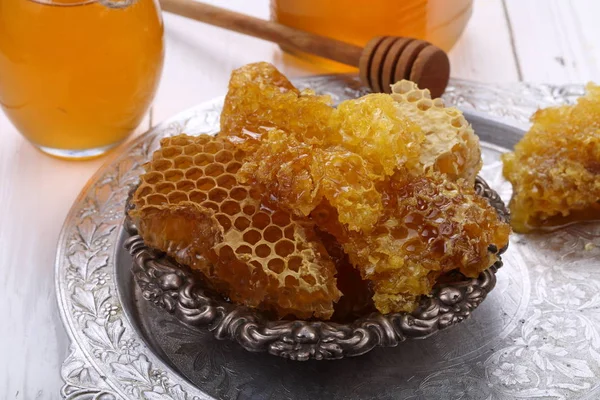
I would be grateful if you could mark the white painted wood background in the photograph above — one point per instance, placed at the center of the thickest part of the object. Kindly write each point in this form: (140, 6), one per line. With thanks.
(552, 41)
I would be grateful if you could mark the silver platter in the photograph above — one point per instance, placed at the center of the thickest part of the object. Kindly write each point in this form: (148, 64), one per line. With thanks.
(536, 336)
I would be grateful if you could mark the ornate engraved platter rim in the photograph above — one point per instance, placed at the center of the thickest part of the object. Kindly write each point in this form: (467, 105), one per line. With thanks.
(108, 360)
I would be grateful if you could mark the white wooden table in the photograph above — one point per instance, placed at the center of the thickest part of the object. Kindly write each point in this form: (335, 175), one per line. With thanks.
(552, 41)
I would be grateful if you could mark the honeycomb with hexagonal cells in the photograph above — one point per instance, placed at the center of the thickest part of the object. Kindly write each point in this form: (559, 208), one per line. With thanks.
(191, 205)
(314, 211)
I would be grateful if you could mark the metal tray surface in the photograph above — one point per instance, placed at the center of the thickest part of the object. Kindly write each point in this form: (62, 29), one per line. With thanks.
(536, 336)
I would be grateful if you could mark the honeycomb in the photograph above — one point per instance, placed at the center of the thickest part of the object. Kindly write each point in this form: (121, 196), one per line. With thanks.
(301, 176)
(450, 145)
(314, 211)
(260, 98)
(555, 168)
(371, 127)
(191, 205)
(302, 151)
(430, 226)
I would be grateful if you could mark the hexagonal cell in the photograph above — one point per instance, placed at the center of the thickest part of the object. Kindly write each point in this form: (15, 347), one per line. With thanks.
(177, 197)
(227, 181)
(205, 183)
(165, 187)
(170, 152)
(223, 156)
(239, 155)
(284, 248)
(213, 147)
(211, 205)
(156, 199)
(191, 149)
(457, 122)
(161, 165)
(233, 167)
(273, 234)
(294, 263)
(244, 250)
(203, 159)
(288, 232)
(413, 245)
(152, 177)
(230, 207)
(252, 236)
(214, 170)
(309, 279)
(183, 162)
(261, 220)
(178, 140)
(276, 265)
(424, 104)
(241, 223)
(249, 210)
(173, 175)
(217, 194)
(262, 250)
(238, 193)
(280, 218)
(203, 139)
(197, 196)
(186, 186)
(255, 193)
(144, 191)
(194, 173)
(291, 281)
(224, 221)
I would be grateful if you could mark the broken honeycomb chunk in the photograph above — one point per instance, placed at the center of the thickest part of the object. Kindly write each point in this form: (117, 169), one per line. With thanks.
(555, 168)
(371, 127)
(300, 176)
(260, 98)
(430, 226)
(450, 145)
(191, 205)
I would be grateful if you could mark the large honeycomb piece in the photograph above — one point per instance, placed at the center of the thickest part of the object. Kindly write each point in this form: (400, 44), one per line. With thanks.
(296, 201)
(555, 168)
(430, 226)
(450, 145)
(191, 205)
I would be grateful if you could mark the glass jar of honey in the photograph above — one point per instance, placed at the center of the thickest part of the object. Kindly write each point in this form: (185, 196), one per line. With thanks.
(438, 21)
(77, 76)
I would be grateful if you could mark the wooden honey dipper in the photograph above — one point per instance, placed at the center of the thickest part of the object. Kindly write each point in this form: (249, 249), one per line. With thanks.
(382, 62)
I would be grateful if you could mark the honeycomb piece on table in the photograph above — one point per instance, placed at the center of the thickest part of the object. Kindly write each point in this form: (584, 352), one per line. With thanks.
(450, 144)
(260, 98)
(300, 176)
(430, 226)
(191, 205)
(555, 168)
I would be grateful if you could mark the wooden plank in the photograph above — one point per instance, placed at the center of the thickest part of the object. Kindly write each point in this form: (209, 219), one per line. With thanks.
(484, 52)
(556, 41)
(36, 193)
